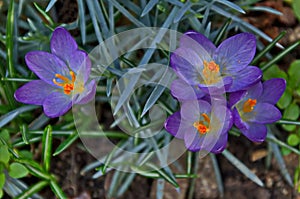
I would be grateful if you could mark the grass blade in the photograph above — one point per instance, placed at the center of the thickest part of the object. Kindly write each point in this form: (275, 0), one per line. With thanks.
(90, 6)
(149, 7)
(50, 5)
(182, 11)
(232, 5)
(32, 190)
(11, 115)
(47, 147)
(82, 20)
(240, 166)
(66, 143)
(57, 190)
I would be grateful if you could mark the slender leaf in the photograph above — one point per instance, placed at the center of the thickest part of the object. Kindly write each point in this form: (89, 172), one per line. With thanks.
(47, 147)
(94, 21)
(57, 190)
(182, 11)
(81, 15)
(266, 9)
(11, 115)
(24, 132)
(149, 7)
(33, 189)
(66, 143)
(50, 5)
(232, 5)
(44, 14)
(244, 169)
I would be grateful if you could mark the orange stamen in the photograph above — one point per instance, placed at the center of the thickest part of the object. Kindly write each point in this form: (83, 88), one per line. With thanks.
(206, 118)
(201, 126)
(210, 72)
(249, 105)
(67, 84)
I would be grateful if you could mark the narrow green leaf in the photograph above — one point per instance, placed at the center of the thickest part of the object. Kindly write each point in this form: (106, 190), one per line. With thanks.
(189, 161)
(10, 38)
(24, 132)
(240, 166)
(91, 8)
(47, 147)
(164, 175)
(50, 5)
(32, 190)
(267, 48)
(281, 164)
(66, 143)
(218, 174)
(11, 115)
(149, 7)
(57, 190)
(232, 5)
(182, 11)
(222, 31)
(296, 6)
(44, 14)
(125, 184)
(280, 55)
(17, 170)
(81, 14)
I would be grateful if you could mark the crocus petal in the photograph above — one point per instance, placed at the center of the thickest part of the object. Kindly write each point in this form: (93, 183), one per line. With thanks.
(236, 52)
(57, 104)
(238, 122)
(189, 38)
(273, 90)
(63, 45)
(187, 64)
(175, 126)
(220, 144)
(80, 63)
(192, 140)
(235, 97)
(245, 78)
(45, 65)
(191, 110)
(34, 92)
(183, 91)
(255, 132)
(221, 118)
(265, 113)
(88, 94)
(255, 91)
(218, 88)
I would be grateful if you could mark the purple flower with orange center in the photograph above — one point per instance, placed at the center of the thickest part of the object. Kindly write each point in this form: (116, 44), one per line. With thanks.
(199, 62)
(64, 76)
(254, 108)
(202, 126)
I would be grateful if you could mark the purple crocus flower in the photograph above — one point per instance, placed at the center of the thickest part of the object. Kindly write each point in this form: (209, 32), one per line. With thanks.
(254, 108)
(183, 91)
(63, 74)
(199, 62)
(202, 126)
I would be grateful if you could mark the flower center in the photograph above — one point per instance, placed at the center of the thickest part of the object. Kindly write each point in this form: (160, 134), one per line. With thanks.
(211, 72)
(202, 126)
(66, 83)
(249, 105)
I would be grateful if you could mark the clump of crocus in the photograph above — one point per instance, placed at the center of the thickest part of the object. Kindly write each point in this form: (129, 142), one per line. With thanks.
(199, 62)
(207, 73)
(254, 108)
(64, 76)
(201, 126)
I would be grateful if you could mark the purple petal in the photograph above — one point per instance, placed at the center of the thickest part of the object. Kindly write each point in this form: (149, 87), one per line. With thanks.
(273, 90)
(175, 126)
(238, 122)
(222, 118)
(63, 45)
(57, 104)
(245, 78)
(192, 140)
(46, 65)
(183, 91)
(265, 113)
(221, 144)
(187, 64)
(255, 91)
(218, 88)
(80, 62)
(88, 94)
(235, 97)
(34, 92)
(236, 52)
(255, 132)
(193, 39)
(191, 110)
